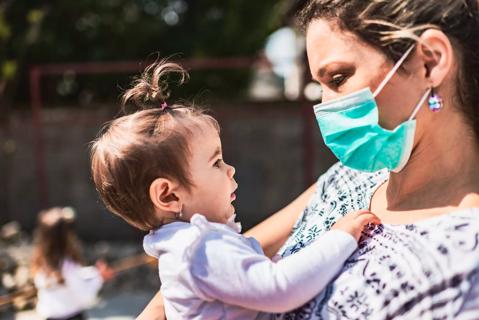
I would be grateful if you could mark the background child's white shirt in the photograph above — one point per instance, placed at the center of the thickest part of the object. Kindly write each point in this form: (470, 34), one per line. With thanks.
(210, 271)
(77, 293)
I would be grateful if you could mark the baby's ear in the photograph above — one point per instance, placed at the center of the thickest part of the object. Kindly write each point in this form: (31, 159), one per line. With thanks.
(164, 194)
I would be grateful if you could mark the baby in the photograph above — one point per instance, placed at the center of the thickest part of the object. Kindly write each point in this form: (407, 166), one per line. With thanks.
(161, 169)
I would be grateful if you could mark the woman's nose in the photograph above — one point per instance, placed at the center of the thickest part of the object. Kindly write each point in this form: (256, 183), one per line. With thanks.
(328, 95)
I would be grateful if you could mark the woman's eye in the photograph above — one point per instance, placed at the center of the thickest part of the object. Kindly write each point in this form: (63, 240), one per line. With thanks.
(217, 163)
(337, 80)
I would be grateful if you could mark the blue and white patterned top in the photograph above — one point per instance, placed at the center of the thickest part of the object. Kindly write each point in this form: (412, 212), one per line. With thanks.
(425, 270)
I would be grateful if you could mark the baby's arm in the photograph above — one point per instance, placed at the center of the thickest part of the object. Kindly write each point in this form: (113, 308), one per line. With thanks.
(225, 268)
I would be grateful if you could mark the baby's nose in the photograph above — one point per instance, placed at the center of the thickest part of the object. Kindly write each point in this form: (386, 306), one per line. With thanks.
(231, 171)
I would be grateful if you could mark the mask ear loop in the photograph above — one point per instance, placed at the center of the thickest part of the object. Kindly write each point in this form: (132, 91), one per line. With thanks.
(393, 71)
(423, 99)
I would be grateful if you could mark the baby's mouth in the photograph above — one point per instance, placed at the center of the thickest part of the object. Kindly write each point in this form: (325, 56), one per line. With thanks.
(233, 194)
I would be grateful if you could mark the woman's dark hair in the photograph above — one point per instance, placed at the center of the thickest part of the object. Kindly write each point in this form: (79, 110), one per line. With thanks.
(393, 25)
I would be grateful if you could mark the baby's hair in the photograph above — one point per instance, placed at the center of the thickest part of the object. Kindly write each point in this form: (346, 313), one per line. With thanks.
(153, 142)
(151, 89)
(55, 241)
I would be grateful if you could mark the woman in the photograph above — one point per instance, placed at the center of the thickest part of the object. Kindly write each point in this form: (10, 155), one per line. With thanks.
(418, 170)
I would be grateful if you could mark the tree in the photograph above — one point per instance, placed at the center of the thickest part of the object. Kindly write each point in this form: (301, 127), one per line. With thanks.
(92, 30)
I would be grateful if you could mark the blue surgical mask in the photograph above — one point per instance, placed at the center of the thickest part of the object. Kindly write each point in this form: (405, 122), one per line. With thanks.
(349, 126)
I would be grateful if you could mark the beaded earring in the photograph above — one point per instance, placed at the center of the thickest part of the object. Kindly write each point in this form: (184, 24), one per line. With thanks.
(435, 102)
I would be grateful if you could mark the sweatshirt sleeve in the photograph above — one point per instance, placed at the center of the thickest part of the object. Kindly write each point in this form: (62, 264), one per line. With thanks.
(225, 268)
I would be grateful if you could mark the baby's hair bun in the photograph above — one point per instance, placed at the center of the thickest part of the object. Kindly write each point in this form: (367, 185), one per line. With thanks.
(151, 89)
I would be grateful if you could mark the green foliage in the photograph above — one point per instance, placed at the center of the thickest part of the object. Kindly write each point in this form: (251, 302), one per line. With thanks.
(9, 69)
(91, 30)
(33, 32)
(4, 28)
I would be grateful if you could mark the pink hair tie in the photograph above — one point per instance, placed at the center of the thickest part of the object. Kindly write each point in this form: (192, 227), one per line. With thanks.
(163, 105)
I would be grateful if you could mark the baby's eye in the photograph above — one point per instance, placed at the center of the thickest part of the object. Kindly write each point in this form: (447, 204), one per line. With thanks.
(218, 163)
(337, 80)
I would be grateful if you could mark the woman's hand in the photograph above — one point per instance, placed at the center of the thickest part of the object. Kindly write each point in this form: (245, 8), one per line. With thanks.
(353, 223)
(155, 310)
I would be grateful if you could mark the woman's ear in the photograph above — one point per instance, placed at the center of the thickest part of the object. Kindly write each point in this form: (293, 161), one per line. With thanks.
(165, 195)
(435, 50)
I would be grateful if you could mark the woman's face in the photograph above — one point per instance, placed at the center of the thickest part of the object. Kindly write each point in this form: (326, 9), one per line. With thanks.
(342, 64)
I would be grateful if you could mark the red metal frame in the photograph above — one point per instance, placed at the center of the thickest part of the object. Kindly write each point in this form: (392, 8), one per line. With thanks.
(39, 71)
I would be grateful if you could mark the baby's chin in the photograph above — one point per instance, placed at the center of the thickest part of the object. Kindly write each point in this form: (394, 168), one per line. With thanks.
(231, 217)
(230, 212)
(227, 218)
(224, 218)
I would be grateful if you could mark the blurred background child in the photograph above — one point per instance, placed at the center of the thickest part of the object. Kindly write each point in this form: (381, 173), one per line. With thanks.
(66, 288)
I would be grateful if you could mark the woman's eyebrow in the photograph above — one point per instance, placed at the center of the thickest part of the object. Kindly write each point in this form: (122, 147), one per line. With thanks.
(215, 154)
(321, 71)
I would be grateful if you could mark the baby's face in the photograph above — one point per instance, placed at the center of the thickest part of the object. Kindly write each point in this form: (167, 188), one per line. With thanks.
(213, 188)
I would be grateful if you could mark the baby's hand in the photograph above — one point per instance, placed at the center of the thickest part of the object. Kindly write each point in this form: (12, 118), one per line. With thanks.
(354, 222)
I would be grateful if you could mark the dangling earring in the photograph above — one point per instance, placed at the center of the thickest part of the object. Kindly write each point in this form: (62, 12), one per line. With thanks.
(435, 101)
(179, 215)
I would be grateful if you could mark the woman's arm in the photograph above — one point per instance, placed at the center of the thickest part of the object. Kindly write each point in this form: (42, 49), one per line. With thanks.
(155, 310)
(273, 232)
